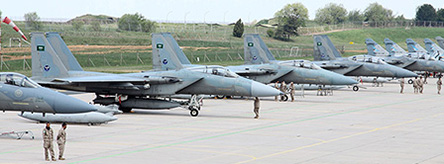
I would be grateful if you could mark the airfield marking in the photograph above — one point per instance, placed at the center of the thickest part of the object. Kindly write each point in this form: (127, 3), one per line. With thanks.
(342, 138)
(253, 129)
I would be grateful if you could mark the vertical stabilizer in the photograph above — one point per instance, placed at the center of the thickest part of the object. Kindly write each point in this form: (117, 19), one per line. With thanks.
(167, 55)
(324, 48)
(45, 62)
(63, 51)
(255, 50)
(375, 49)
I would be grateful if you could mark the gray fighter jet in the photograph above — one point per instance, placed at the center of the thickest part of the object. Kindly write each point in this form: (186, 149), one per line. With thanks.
(328, 57)
(412, 61)
(55, 66)
(19, 93)
(264, 73)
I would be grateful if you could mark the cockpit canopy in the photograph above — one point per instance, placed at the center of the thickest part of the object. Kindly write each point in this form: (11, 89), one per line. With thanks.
(300, 63)
(215, 70)
(17, 80)
(368, 59)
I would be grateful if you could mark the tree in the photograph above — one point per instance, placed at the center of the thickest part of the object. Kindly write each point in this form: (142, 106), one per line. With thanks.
(355, 16)
(377, 13)
(33, 20)
(440, 15)
(289, 19)
(331, 14)
(135, 22)
(95, 26)
(238, 29)
(270, 33)
(77, 24)
(0, 13)
(426, 12)
(400, 18)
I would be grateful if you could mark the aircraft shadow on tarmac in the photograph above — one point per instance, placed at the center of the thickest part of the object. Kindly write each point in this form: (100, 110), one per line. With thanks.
(171, 113)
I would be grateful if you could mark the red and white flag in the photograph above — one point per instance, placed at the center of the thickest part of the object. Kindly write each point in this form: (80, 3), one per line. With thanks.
(12, 24)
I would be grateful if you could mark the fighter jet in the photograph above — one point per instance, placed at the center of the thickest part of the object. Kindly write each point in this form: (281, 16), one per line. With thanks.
(265, 73)
(328, 57)
(423, 62)
(54, 65)
(19, 93)
(434, 50)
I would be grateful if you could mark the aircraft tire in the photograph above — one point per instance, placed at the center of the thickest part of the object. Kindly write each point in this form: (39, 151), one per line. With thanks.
(410, 81)
(284, 97)
(194, 112)
(125, 110)
(220, 96)
(355, 88)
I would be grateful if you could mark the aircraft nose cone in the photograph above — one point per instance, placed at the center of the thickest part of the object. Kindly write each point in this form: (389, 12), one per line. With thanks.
(338, 79)
(400, 72)
(262, 90)
(67, 104)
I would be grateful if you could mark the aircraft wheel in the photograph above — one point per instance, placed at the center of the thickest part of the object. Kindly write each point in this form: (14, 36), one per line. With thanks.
(410, 81)
(355, 88)
(284, 97)
(220, 96)
(125, 110)
(194, 112)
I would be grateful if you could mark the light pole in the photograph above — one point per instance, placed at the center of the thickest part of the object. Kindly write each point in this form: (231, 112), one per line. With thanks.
(205, 16)
(185, 18)
(225, 13)
(166, 20)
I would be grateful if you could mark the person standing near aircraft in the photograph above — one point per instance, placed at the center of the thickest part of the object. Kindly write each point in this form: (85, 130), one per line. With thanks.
(401, 83)
(292, 91)
(420, 84)
(439, 84)
(276, 86)
(48, 138)
(61, 140)
(256, 107)
(415, 85)
(282, 89)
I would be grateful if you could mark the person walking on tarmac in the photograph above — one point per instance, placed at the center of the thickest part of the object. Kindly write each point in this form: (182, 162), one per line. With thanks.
(48, 138)
(256, 107)
(61, 140)
(401, 83)
(420, 85)
(292, 91)
(415, 85)
(439, 84)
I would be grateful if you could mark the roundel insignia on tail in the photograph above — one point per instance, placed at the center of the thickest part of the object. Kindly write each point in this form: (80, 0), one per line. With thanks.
(250, 44)
(165, 61)
(255, 57)
(319, 43)
(46, 68)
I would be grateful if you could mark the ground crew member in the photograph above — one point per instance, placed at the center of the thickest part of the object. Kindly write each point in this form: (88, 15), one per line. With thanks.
(415, 85)
(282, 89)
(276, 86)
(401, 83)
(292, 91)
(61, 140)
(420, 85)
(425, 77)
(256, 107)
(48, 138)
(439, 84)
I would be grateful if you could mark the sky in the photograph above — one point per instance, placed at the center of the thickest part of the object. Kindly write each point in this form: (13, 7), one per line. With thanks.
(210, 11)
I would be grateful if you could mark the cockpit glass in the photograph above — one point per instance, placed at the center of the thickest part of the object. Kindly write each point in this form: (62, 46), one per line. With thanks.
(300, 63)
(17, 80)
(219, 71)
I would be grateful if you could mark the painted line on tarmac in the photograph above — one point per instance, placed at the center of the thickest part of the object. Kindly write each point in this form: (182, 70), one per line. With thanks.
(249, 130)
(341, 138)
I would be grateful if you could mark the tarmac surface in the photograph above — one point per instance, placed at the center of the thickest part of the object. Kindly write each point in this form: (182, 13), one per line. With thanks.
(374, 125)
